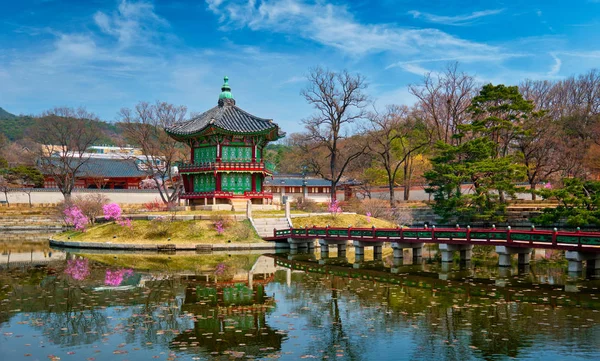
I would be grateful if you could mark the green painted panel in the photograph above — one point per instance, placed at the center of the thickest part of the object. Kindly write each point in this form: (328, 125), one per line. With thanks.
(338, 232)
(237, 183)
(541, 237)
(360, 233)
(204, 183)
(236, 154)
(520, 237)
(592, 241)
(567, 239)
(447, 234)
(205, 154)
(497, 235)
(480, 235)
(387, 233)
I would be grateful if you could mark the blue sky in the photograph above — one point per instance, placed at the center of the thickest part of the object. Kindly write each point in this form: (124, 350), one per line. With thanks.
(105, 55)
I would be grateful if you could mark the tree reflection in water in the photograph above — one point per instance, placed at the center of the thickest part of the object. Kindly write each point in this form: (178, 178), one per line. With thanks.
(353, 317)
(445, 320)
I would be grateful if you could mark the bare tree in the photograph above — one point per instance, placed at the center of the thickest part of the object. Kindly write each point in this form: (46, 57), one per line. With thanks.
(339, 101)
(444, 98)
(573, 104)
(538, 147)
(393, 137)
(144, 127)
(64, 135)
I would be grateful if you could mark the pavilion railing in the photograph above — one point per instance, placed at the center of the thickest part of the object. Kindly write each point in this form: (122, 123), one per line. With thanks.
(230, 166)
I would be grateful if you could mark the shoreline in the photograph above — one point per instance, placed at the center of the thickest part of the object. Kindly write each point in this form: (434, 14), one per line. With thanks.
(169, 247)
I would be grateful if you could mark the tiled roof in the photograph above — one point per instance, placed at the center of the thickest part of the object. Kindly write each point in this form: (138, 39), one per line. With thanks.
(227, 117)
(110, 168)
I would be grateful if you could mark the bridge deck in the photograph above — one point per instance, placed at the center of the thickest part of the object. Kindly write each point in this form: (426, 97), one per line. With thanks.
(575, 241)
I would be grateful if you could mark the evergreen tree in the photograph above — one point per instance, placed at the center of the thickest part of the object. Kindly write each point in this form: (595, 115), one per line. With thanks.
(471, 179)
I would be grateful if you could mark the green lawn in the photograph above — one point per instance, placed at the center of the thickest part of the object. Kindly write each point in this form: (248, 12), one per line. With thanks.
(176, 232)
(342, 220)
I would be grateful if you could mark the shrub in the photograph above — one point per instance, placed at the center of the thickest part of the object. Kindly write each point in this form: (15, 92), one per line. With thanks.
(378, 208)
(158, 227)
(306, 205)
(75, 217)
(155, 205)
(219, 227)
(222, 217)
(352, 205)
(195, 230)
(90, 205)
(334, 208)
(242, 231)
(112, 211)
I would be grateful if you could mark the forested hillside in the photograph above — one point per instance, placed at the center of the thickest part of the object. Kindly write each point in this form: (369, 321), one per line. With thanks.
(15, 127)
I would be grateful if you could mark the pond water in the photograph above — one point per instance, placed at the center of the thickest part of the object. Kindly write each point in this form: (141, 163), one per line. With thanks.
(219, 307)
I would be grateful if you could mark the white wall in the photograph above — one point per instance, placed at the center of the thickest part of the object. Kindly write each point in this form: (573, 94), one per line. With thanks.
(53, 196)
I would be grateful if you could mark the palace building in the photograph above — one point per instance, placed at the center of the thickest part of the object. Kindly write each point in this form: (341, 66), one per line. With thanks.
(226, 163)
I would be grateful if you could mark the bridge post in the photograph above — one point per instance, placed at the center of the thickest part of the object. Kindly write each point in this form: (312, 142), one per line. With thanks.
(576, 259)
(378, 251)
(324, 248)
(310, 246)
(466, 250)
(341, 248)
(399, 248)
(297, 244)
(505, 255)
(359, 248)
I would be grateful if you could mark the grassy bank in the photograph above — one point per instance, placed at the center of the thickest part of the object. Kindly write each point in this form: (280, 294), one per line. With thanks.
(176, 232)
(341, 220)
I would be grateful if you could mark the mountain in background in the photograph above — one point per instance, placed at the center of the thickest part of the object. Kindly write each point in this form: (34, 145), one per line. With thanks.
(6, 115)
(15, 128)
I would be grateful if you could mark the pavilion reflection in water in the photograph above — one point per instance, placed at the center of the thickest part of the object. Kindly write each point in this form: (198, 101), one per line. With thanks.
(229, 318)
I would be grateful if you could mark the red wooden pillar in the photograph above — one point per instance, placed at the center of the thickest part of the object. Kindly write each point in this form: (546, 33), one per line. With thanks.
(193, 156)
(218, 182)
(253, 182)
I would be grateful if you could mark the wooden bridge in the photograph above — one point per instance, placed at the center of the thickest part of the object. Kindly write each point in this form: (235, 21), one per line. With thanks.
(579, 246)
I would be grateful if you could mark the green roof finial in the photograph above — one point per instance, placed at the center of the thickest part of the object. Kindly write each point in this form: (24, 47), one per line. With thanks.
(225, 90)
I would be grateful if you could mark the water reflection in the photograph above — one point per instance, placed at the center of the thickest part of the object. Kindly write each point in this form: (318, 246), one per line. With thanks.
(291, 307)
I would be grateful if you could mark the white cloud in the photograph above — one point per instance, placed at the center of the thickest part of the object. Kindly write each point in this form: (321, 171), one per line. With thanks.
(334, 26)
(464, 19)
(498, 57)
(414, 68)
(77, 46)
(132, 23)
(556, 67)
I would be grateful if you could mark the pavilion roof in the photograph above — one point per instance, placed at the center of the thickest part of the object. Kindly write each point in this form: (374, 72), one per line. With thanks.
(226, 117)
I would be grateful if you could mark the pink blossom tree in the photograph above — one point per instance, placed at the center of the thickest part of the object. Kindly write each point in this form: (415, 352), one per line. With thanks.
(75, 217)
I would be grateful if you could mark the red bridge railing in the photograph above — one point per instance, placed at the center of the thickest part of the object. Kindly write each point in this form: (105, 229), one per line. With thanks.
(589, 241)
